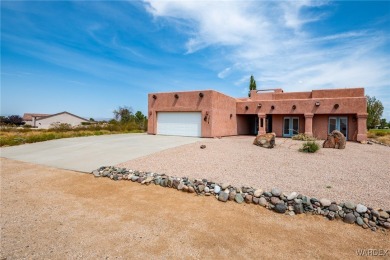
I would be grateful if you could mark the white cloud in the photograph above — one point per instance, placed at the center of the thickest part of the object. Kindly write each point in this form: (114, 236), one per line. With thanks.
(224, 73)
(270, 39)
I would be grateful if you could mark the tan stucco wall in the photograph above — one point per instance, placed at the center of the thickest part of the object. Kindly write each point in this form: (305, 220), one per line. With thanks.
(321, 122)
(346, 106)
(216, 109)
(277, 123)
(186, 102)
(222, 107)
(214, 106)
(45, 123)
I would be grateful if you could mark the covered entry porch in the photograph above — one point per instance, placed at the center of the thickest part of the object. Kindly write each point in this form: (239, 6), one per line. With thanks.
(318, 125)
(250, 124)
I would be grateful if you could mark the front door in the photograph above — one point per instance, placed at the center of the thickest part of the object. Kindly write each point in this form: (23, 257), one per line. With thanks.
(340, 124)
(290, 126)
(268, 124)
(256, 126)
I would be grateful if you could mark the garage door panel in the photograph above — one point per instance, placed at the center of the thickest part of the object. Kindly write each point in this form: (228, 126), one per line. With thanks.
(179, 123)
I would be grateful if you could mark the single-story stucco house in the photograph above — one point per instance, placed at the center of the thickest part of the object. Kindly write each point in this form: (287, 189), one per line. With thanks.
(208, 113)
(45, 121)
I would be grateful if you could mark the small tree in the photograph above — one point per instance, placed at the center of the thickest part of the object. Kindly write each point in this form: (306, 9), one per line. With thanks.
(124, 114)
(140, 119)
(4, 120)
(252, 85)
(374, 111)
(383, 123)
(15, 120)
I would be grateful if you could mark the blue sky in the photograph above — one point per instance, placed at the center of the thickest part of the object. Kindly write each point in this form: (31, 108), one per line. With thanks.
(89, 57)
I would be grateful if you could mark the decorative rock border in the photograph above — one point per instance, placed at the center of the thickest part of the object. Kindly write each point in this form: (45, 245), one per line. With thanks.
(370, 141)
(289, 204)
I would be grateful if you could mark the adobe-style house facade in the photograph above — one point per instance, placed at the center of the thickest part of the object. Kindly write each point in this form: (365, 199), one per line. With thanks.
(208, 113)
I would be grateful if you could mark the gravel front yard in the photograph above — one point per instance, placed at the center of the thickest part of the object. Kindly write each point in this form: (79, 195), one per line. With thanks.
(360, 173)
(49, 213)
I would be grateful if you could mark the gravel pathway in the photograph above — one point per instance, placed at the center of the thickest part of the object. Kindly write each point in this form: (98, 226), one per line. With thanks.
(360, 173)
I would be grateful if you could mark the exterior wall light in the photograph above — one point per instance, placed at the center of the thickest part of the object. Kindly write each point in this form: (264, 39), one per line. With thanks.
(176, 96)
(317, 104)
(150, 113)
(206, 116)
(272, 107)
(154, 97)
(294, 107)
(201, 94)
(259, 105)
(246, 107)
(336, 106)
(231, 115)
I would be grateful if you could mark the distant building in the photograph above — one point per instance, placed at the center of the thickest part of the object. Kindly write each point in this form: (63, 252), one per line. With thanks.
(30, 118)
(208, 113)
(45, 121)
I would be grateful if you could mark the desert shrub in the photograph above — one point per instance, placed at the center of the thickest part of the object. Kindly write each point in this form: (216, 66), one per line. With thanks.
(303, 137)
(384, 139)
(381, 133)
(309, 147)
(60, 127)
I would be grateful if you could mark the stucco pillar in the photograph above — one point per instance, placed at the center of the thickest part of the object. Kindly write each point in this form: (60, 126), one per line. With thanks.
(152, 127)
(261, 124)
(309, 124)
(362, 127)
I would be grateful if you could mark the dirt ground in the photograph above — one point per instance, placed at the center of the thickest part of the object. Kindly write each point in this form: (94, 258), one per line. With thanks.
(48, 213)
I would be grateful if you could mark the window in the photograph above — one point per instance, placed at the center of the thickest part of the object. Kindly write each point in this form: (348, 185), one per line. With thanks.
(290, 126)
(340, 124)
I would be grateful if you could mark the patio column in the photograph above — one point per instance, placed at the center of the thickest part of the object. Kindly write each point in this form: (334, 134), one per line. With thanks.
(261, 124)
(362, 127)
(309, 124)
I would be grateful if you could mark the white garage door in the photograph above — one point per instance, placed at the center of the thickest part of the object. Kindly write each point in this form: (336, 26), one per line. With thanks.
(179, 123)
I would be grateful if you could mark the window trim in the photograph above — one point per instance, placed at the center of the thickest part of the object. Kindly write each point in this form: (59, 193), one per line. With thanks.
(338, 119)
(290, 126)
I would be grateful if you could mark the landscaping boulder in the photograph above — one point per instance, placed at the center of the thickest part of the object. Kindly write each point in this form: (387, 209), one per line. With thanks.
(265, 140)
(335, 140)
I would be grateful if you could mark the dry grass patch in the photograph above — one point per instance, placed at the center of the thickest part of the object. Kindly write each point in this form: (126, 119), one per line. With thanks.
(380, 135)
(23, 136)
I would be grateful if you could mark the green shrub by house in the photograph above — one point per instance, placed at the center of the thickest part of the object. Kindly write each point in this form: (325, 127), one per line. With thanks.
(303, 137)
(309, 147)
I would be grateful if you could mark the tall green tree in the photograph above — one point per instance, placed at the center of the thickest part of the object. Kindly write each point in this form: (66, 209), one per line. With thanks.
(140, 119)
(374, 111)
(123, 114)
(383, 123)
(252, 85)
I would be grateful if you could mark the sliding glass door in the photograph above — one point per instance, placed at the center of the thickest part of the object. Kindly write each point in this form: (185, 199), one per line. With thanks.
(340, 124)
(290, 126)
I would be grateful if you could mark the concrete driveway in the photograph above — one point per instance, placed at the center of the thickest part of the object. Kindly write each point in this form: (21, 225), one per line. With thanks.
(88, 153)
